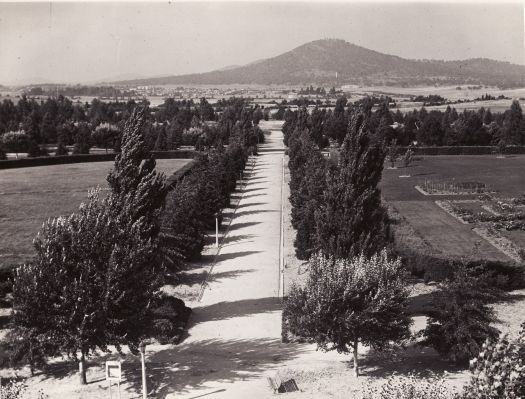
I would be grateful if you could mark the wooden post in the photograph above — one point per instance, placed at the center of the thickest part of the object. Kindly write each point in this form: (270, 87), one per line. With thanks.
(216, 230)
(142, 348)
(356, 365)
(82, 370)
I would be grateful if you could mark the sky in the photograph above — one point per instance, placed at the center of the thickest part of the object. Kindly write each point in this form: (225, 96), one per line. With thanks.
(91, 42)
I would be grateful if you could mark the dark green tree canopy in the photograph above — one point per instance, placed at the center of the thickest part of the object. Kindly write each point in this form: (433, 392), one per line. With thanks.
(351, 219)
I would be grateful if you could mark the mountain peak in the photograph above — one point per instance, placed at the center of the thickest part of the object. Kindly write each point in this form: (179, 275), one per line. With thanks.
(332, 61)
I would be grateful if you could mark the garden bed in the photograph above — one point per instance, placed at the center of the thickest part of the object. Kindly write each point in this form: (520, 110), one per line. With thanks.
(499, 221)
(433, 187)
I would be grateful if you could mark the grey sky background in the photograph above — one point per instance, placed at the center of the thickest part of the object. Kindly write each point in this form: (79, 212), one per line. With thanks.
(89, 42)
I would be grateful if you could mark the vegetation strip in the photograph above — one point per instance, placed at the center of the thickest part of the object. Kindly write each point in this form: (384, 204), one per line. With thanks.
(213, 263)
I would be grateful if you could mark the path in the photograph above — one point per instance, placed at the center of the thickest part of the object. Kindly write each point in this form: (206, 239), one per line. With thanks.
(235, 334)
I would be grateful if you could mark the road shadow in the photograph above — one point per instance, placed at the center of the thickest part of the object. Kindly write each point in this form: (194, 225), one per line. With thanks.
(230, 239)
(250, 190)
(252, 182)
(245, 213)
(253, 178)
(248, 204)
(509, 297)
(234, 255)
(195, 366)
(254, 212)
(228, 310)
(189, 278)
(254, 195)
(237, 226)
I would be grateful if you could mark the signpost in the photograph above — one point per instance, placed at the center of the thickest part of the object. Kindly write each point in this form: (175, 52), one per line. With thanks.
(113, 373)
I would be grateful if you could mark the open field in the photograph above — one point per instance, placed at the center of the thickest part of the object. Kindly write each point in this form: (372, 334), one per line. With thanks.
(29, 196)
(403, 94)
(494, 106)
(448, 92)
(446, 234)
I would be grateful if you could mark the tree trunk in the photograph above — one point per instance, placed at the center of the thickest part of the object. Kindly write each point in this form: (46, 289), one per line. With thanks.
(356, 367)
(82, 370)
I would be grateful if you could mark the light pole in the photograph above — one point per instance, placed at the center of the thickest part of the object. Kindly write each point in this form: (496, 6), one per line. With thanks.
(142, 348)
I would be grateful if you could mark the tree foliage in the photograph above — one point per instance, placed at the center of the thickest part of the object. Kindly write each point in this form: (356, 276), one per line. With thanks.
(460, 319)
(347, 302)
(498, 371)
(351, 219)
(307, 169)
(97, 271)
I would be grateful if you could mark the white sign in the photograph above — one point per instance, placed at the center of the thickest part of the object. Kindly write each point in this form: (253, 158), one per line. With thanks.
(113, 371)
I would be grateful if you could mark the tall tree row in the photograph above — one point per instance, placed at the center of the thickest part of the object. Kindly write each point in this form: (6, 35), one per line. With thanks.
(96, 272)
(355, 293)
(351, 219)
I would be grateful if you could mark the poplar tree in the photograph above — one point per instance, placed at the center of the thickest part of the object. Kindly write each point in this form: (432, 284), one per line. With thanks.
(351, 219)
(96, 272)
(307, 169)
(513, 125)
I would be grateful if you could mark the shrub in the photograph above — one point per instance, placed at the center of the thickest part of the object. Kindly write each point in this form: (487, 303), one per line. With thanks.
(410, 387)
(12, 390)
(170, 316)
(34, 150)
(498, 372)
(17, 390)
(61, 149)
(460, 320)
(15, 141)
(6, 283)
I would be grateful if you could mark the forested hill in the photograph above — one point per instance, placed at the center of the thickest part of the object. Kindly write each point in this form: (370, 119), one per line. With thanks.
(336, 62)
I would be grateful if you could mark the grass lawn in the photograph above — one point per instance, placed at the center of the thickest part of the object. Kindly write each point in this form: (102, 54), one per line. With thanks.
(29, 196)
(442, 231)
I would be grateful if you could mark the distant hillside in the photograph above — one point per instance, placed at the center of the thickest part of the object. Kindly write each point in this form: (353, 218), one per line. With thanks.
(336, 62)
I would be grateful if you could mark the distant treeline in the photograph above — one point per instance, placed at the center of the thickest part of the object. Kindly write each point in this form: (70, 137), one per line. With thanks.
(78, 90)
(426, 128)
(29, 124)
